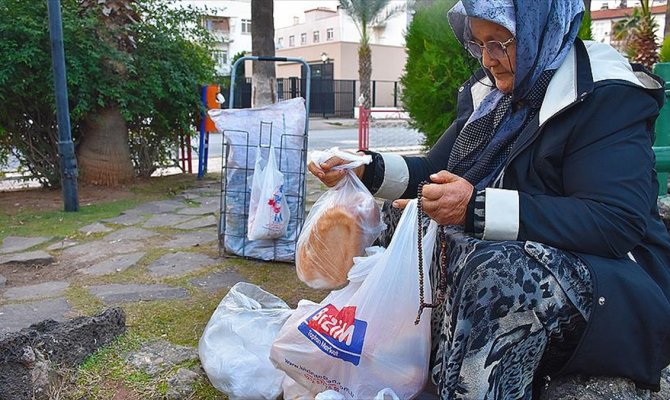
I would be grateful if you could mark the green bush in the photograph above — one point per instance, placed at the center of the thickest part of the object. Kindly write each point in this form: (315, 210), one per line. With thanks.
(156, 87)
(585, 31)
(664, 53)
(437, 65)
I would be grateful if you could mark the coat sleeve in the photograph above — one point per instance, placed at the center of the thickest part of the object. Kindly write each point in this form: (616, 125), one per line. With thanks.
(608, 178)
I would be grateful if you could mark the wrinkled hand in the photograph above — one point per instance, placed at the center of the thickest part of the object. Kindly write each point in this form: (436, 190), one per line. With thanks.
(446, 199)
(330, 177)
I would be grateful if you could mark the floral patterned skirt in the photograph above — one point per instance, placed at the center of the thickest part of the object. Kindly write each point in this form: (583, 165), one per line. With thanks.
(513, 313)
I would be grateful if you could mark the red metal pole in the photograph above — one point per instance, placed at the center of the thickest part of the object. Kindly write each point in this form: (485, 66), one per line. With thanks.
(363, 128)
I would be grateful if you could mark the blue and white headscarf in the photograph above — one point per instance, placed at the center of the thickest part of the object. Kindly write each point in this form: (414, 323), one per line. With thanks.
(543, 40)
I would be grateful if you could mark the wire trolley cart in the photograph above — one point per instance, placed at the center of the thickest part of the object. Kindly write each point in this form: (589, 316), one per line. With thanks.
(282, 126)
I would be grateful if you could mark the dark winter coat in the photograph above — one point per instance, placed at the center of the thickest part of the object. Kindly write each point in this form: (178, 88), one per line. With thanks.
(581, 178)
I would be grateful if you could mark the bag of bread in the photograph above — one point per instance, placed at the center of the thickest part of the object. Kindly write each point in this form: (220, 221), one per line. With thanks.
(341, 224)
(362, 339)
(268, 212)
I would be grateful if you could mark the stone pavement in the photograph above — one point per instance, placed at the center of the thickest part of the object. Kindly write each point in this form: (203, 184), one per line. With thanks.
(185, 227)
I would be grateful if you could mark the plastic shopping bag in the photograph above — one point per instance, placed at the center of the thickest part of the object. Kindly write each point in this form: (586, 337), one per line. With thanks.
(268, 210)
(362, 341)
(341, 224)
(235, 345)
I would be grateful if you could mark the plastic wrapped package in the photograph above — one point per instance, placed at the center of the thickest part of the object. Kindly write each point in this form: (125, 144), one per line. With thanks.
(281, 125)
(341, 224)
(362, 339)
(235, 345)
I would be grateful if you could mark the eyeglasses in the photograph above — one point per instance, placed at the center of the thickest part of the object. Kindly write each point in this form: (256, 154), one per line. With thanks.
(497, 50)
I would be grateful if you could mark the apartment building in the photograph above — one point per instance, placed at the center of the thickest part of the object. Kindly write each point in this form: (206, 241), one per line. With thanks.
(603, 19)
(328, 40)
(230, 23)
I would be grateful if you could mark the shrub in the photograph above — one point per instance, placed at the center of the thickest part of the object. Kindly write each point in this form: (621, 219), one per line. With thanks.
(156, 87)
(664, 53)
(437, 65)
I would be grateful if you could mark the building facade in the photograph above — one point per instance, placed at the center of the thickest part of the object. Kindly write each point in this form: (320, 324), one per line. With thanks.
(328, 40)
(603, 20)
(229, 21)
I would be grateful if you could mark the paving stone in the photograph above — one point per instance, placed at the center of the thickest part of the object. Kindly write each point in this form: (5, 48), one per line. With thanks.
(186, 195)
(210, 200)
(61, 245)
(160, 356)
(130, 234)
(28, 258)
(177, 264)
(118, 293)
(3, 281)
(13, 244)
(40, 290)
(191, 239)
(95, 228)
(88, 253)
(163, 220)
(212, 208)
(14, 317)
(113, 265)
(126, 219)
(217, 280)
(157, 207)
(204, 222)
(205, 190)
(181, 384)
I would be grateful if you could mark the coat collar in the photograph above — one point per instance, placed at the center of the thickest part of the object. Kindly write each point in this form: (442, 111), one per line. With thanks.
(587, 64)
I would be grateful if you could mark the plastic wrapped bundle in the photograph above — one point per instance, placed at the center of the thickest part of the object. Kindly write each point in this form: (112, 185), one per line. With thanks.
(341, 224)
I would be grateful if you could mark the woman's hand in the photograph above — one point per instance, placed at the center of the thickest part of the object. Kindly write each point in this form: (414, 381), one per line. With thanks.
(446, 199)
(327, 175)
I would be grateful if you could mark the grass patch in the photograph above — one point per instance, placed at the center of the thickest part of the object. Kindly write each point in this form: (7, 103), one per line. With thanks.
(33, 220)
(60, 224)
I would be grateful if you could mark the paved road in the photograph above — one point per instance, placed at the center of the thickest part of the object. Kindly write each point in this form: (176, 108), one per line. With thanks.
(344, 138)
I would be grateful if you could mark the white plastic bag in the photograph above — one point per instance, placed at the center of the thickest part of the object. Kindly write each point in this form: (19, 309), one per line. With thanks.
(235, 345)
(362, 341)
(341, 224)
(268, 211)
(354, 160)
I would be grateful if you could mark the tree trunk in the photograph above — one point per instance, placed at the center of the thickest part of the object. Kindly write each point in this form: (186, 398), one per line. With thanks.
(103, 154)
(587, 5)
(264, 79)
(666, 30)
(364, 73)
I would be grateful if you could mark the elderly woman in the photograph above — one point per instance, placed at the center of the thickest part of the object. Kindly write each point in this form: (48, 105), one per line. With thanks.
(557, 260)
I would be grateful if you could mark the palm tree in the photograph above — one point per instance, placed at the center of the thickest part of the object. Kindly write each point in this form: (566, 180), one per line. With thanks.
(638, 33)
(104, 153)
(366, 14)
(262, 44)
(666, 31)
(587, 5)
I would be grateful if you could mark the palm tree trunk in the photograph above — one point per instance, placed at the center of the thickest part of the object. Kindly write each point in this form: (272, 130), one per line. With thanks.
(587, 5)
(666, 30)
(103, 154)
(262, 44)
(365, 72)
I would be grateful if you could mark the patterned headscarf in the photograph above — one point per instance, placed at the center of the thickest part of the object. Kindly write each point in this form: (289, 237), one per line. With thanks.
(543, 40)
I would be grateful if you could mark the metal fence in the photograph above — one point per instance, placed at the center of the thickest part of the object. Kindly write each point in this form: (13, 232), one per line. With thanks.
(328, 98)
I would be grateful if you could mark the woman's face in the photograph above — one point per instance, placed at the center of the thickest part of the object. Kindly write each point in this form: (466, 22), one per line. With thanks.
(502, 68)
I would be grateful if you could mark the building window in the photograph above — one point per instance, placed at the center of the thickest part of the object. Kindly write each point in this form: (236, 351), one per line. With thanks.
(303, 38)
(316, 37)
(330, 34)
(280, 43)
(246, 27)
(291, 41)
(220, 58)
(217, 25)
